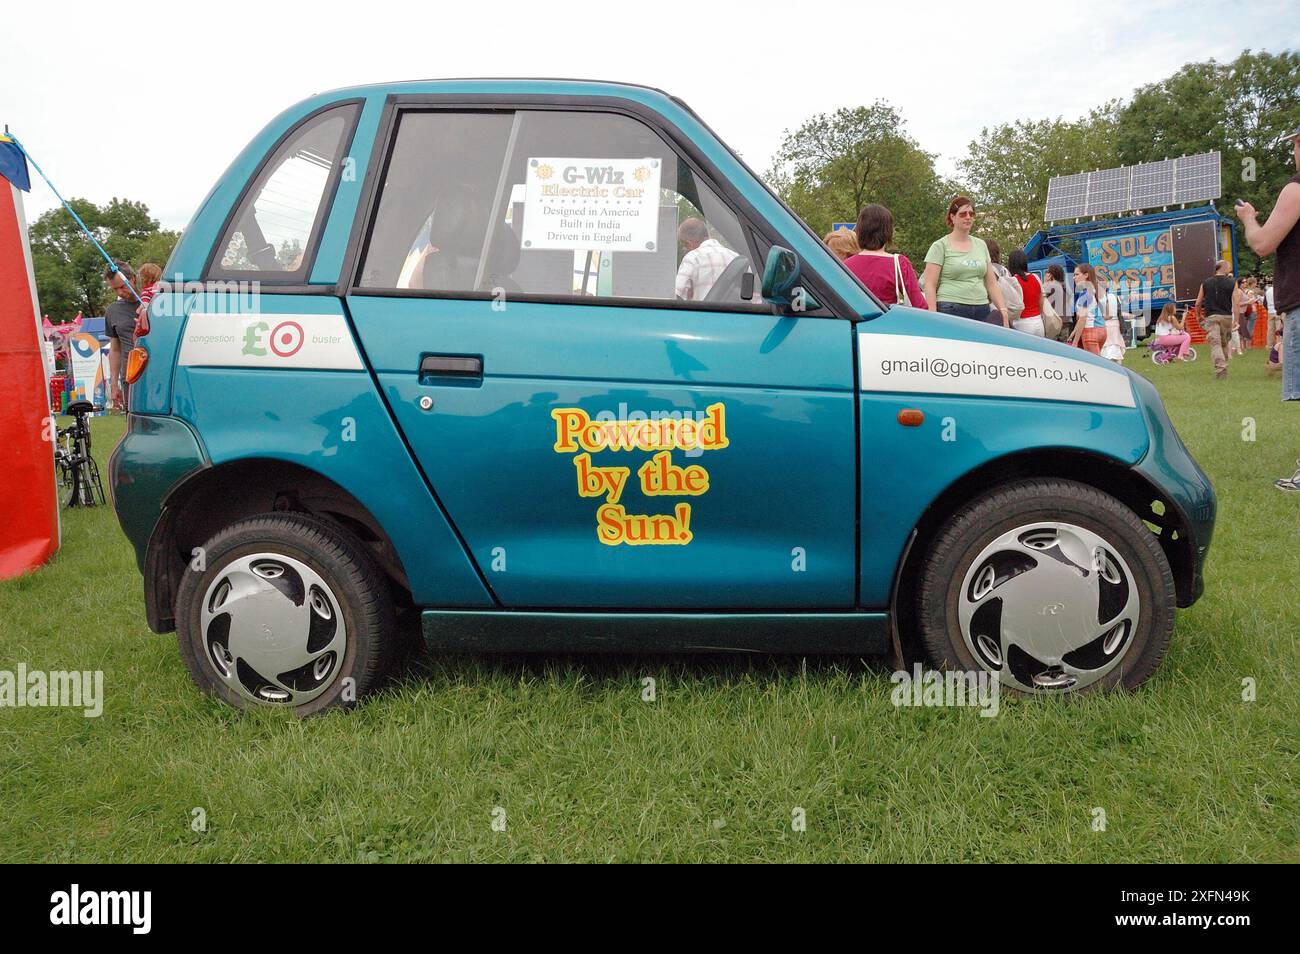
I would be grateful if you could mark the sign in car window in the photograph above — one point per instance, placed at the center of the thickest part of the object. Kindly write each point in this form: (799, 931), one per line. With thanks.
(601, 204)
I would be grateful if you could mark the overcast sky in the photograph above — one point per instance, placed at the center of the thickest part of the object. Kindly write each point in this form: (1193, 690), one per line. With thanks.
(152, 106)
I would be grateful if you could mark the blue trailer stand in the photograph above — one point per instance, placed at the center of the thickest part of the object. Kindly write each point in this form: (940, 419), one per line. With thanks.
(1130, 246)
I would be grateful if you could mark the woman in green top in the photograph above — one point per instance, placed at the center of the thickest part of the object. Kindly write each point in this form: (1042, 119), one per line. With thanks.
(959, 276)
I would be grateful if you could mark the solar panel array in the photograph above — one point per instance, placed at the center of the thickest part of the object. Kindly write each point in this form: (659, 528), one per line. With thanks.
(1134, 188)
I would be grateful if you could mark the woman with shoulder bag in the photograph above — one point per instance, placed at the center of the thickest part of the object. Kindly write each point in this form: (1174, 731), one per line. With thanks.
(888, 276)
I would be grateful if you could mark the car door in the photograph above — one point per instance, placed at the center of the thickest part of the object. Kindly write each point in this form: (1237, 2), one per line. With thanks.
(559, 310)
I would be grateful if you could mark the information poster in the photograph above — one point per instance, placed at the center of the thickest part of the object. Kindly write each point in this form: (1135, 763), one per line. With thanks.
(86, 366)
(592, 204)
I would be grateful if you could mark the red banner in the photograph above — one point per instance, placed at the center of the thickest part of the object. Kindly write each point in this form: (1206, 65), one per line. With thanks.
(29, 533)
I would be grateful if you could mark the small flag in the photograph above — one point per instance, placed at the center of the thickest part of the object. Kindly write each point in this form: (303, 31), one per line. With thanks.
(13, 164)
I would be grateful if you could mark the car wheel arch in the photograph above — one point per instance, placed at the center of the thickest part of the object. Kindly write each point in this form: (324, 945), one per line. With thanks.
(218, 495)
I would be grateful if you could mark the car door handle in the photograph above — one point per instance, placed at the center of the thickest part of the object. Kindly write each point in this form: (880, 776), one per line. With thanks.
(459, 367)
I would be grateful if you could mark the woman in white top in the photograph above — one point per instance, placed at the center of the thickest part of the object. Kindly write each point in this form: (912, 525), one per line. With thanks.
(1170, 333)
(1113, 348)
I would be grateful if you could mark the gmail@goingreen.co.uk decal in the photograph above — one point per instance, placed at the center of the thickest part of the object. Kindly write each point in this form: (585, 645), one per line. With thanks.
(913, 364)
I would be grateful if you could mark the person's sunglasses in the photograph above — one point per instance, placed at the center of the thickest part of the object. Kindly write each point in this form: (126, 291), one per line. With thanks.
(966, 215)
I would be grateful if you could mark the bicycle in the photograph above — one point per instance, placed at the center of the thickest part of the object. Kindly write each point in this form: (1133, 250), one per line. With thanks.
(79, 482)
(1164, 354)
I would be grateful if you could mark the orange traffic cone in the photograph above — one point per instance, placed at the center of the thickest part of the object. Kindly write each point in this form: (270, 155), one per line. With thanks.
(1259, 338)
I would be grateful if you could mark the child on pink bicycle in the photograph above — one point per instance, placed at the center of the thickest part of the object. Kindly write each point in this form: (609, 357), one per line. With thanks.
(1171, 336)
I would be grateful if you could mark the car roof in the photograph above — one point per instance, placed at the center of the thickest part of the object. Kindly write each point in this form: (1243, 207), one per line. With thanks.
(568, 86)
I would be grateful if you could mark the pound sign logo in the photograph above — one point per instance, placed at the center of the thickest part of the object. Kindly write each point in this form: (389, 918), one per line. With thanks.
(253, 339)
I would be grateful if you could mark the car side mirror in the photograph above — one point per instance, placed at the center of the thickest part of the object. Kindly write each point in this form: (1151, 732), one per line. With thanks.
(781, 288)
(780, 275)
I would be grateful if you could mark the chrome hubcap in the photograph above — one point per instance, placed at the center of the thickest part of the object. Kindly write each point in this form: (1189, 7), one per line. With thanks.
(1049, 607)
(272, 630)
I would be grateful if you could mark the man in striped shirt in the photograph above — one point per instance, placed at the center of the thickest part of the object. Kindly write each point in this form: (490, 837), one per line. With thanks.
(705, 259)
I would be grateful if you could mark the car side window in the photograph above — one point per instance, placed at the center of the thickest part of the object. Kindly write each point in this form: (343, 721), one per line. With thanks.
(271, 235)
(556, 203)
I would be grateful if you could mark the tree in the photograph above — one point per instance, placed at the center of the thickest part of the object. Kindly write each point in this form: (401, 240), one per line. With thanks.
(1239, 109)
(833, 165)
(1009, 166)
(1174, 117)
(156, 248)
(290, 255)
(69, 270)
(1264, 104)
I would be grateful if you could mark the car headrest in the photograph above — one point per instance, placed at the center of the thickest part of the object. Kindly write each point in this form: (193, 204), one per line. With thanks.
(503, 255)
(458, 220)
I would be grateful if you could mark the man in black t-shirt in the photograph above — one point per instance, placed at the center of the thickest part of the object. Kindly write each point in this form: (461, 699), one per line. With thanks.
(1281, 234)
(119, 326)
(1214, 301)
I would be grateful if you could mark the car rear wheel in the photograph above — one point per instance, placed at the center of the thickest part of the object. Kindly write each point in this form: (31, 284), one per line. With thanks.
(288, 610)
(1052, 585)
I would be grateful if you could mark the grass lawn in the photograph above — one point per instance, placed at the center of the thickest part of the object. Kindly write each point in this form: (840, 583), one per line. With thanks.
(1184, 770)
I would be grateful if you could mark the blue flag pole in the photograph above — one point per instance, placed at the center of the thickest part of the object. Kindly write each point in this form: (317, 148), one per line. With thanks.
(112, 265)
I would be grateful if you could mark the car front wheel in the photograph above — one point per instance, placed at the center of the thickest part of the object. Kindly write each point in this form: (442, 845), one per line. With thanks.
(1052, 585)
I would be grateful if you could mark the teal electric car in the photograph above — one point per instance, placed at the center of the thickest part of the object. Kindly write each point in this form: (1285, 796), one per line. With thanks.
(545, 365)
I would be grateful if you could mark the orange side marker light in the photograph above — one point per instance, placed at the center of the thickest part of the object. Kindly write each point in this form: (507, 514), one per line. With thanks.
(135, 363)
(911, 417)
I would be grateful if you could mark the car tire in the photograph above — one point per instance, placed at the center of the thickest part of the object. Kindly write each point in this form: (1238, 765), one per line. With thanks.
(285, 610)
(1051, 584)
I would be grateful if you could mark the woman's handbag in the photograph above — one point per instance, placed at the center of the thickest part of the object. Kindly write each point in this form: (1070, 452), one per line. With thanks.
(1051, 320)
(900, 289)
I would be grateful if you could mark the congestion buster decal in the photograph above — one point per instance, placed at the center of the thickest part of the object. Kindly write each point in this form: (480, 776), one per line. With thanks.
(578, 433)
(269, 341)
(915, 364)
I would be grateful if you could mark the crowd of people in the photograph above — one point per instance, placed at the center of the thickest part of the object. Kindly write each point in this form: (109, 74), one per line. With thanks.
(964, 276)
(1232, 307)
